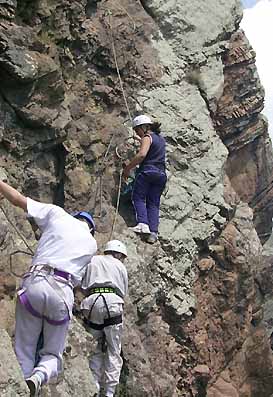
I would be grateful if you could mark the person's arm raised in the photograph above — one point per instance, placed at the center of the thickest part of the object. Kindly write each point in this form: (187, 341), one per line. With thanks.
(139, 157)
(13, 196)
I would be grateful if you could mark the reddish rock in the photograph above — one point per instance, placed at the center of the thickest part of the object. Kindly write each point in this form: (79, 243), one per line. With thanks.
(245, 132)
(222, 388)
(227, 309)
(202, 370)
(205, 264)
(7, 285)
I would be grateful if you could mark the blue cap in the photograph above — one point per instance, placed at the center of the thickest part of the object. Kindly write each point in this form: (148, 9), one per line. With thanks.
(85, 215)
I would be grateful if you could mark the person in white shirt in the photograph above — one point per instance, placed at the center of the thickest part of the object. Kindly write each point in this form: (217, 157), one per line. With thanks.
(45, 298)
(106, 284)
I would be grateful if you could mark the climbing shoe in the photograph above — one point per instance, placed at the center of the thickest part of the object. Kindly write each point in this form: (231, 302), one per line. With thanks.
(34, 385)
(141, 228)
(152, 238)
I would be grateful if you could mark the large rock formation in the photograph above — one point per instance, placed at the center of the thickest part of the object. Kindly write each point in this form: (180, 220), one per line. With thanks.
(244, 131)
(11, 380)
(194, 314)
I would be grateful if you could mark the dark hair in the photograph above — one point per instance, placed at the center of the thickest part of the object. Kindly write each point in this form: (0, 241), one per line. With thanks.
(156, 127)
(117, 255)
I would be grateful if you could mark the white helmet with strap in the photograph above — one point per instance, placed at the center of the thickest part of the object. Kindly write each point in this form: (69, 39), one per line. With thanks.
(140, 120)
(116, 246)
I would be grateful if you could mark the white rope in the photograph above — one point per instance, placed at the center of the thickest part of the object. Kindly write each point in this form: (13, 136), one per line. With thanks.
(117, 205)
(117, 68)
(17, 231)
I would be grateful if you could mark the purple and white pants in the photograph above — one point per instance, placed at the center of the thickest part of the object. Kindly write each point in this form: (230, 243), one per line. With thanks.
(147, 190)
(44, 299)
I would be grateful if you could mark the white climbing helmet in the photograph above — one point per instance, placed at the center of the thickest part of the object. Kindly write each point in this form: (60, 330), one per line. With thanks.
(140, 120)
(116, 246)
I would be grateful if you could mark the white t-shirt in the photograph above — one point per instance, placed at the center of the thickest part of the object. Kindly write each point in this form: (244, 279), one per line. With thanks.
(65, 244)
(105, 271)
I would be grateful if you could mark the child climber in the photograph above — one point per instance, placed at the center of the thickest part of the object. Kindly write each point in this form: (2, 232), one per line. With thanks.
(151, 176)
(106, 284)
(45, 298)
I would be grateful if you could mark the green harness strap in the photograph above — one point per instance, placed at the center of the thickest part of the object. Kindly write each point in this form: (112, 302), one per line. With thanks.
(102, 290)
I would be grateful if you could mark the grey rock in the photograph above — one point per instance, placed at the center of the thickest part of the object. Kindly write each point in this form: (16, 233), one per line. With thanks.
(7, 9)
(77, 375)
(184, 25)
(3, 175)
(12, 382)
(21, 64)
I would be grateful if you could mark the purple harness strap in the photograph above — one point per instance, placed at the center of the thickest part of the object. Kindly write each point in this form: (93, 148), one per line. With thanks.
(62, 274)
(24, 301)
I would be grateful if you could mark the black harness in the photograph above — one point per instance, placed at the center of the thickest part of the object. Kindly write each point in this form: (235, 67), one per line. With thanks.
(110, 320)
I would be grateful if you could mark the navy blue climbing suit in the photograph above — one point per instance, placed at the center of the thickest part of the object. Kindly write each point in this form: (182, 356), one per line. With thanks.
(150, 183)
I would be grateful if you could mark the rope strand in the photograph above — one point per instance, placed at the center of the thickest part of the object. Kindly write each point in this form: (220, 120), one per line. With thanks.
(129, 115)
(117, 205)
(117, 68)
(17, 231)
(30, 253)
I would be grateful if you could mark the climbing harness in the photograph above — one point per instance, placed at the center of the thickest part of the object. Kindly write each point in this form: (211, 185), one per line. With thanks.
(110, 320)
(48, 273)
(42, 270)
(102, 290)
(105, 290)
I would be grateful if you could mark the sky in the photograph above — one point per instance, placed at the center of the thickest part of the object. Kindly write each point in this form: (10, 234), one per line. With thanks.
(258, 26)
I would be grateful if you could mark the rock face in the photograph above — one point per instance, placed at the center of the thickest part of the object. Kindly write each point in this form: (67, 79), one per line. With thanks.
(244, 131)
(76, 379)
(11, 380)
(194, 313)
(229, 315)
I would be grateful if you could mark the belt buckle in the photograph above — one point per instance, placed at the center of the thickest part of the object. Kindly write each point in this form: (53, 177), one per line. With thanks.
(48, 269)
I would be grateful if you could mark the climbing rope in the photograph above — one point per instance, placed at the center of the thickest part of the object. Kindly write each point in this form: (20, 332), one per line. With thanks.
(129, 16)
(117, 205)
(117, 67)
(100, 175)
(11, 265)
(127, 108)
(16, 230)
(30, 253)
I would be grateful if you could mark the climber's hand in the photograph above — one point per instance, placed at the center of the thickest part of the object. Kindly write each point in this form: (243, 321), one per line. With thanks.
(125, 174)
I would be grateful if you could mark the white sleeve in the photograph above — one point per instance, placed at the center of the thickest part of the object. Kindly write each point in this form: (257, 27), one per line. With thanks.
(94, 246)
(42, 212)
(125, 275)
(86, 277)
